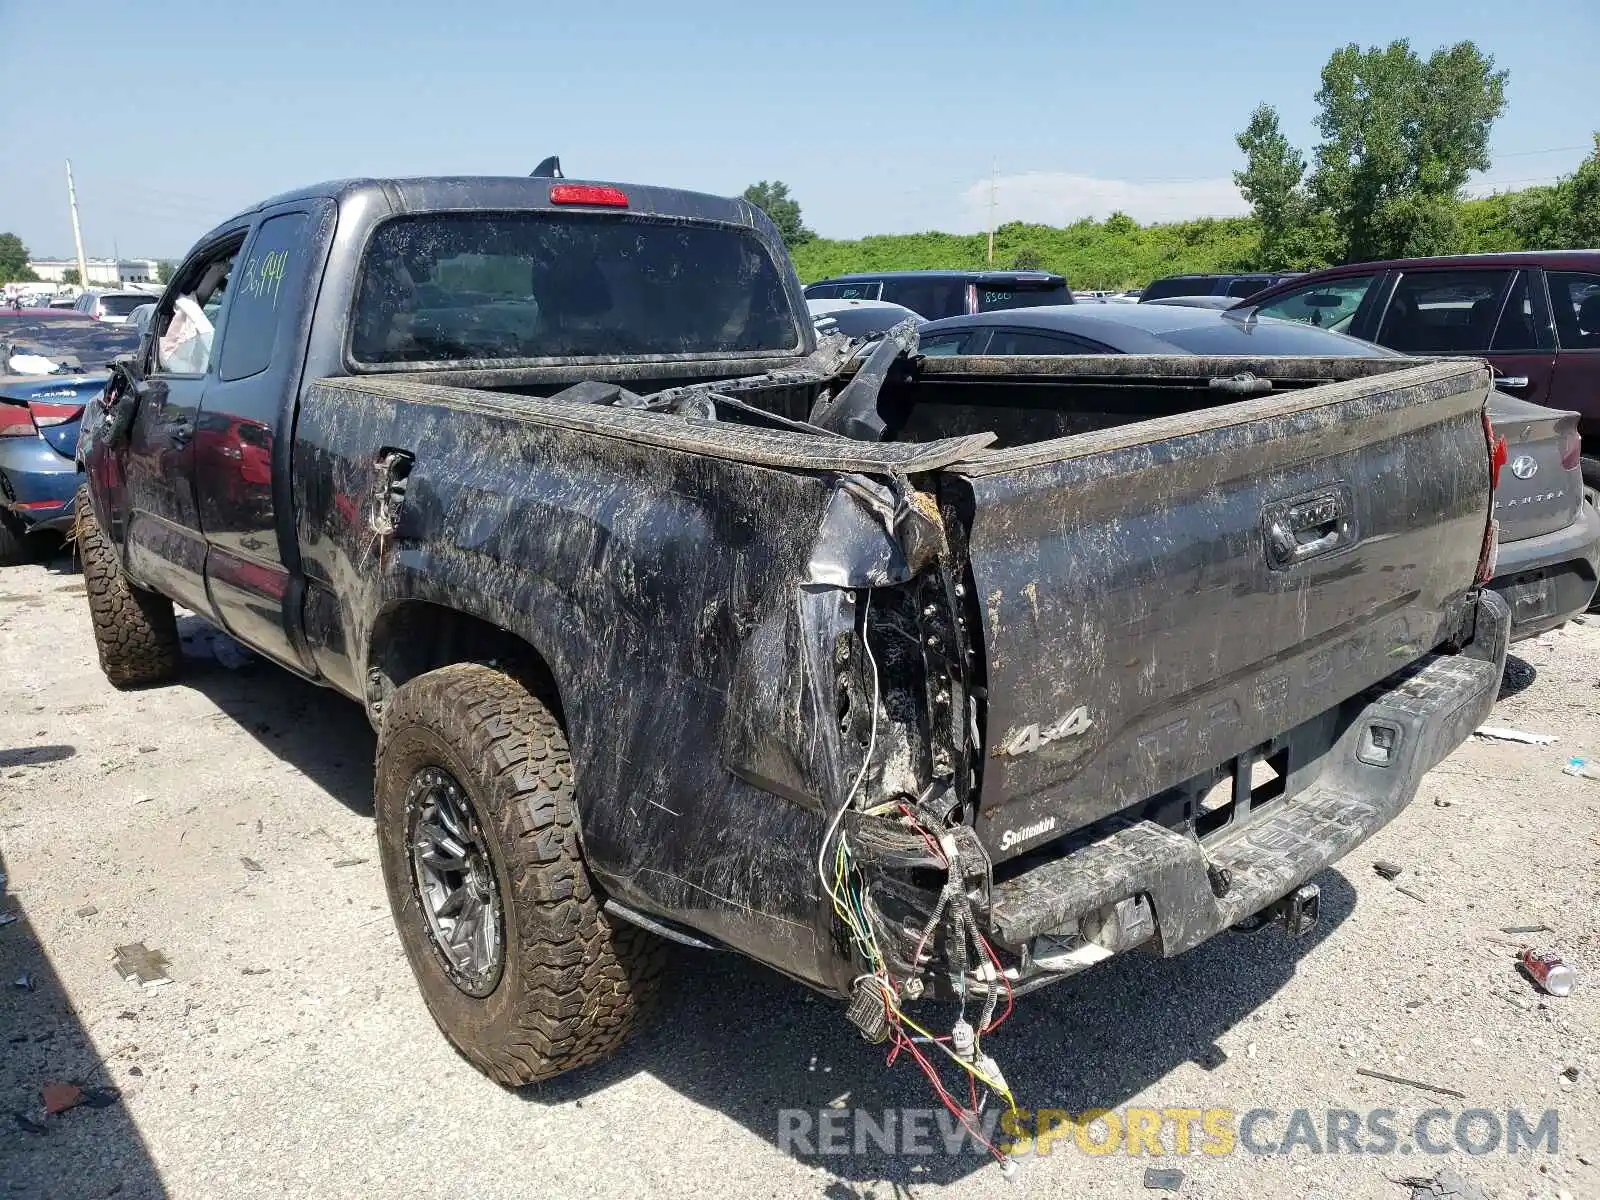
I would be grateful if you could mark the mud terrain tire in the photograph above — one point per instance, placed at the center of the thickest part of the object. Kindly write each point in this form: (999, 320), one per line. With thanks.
(134, 629)
(572, 983)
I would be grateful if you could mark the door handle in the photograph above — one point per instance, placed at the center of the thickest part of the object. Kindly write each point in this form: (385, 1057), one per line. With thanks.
(1512, 381)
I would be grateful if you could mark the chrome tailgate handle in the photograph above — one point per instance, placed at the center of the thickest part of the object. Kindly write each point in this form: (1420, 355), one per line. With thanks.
(1303, 527)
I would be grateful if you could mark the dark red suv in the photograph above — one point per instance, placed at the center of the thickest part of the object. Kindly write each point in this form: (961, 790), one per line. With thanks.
(1535, 315)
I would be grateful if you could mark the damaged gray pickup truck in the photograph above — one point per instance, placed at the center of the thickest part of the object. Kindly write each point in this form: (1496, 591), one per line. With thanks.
(916, 679)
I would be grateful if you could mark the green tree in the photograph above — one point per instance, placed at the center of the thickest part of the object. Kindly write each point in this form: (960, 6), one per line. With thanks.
(774, 200)
(1578, 205)
(1027, 259)
(1120, 224)
(164, 270)
(71, 277)
(1400, 136)
(1272, 183)
(14, 260)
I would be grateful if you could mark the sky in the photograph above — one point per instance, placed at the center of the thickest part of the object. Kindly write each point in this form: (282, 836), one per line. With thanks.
(881, 118)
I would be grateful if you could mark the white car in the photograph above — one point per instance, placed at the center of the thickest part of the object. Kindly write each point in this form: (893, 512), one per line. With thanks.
(858, 318)
(111, 307)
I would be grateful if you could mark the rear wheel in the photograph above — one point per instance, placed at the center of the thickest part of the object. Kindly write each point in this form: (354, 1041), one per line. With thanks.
(478, 835)
(135, 630)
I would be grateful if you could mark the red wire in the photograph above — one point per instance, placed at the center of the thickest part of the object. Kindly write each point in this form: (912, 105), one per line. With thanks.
(926, 836)
(999, 970)
(966, 1117)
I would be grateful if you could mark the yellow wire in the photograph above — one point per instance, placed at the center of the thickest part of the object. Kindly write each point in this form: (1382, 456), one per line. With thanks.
(995, 1086)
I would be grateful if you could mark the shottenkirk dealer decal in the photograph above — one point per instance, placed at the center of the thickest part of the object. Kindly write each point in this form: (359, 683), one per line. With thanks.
(1015, 837)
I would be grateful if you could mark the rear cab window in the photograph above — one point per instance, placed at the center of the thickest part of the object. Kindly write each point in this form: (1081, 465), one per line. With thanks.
(450, 287)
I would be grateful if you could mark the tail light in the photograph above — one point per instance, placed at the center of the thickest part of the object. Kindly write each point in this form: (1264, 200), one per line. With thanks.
(1490, 551)
(16, 420)
(588, 193)
(1571, 449)
(46, 414)
(1497, 451)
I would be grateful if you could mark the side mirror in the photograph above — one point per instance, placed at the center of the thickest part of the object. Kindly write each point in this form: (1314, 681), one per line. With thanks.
(120, 400)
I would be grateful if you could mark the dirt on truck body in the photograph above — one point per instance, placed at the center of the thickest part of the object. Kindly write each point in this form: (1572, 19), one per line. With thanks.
(911, 678)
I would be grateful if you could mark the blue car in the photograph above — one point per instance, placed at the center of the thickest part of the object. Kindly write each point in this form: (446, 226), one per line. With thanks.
(40, 415)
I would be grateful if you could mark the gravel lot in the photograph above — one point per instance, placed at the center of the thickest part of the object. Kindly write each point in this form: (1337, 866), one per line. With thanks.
(226, 822)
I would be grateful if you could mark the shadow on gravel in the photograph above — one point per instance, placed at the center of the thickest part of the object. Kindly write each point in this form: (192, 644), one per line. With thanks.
(80, 1154)
(33, 756)
(314, 729)
(744, 1041)
(1519, 677)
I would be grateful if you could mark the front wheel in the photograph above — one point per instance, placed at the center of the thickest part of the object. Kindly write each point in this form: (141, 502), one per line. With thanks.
(477, 832)
(135, 630)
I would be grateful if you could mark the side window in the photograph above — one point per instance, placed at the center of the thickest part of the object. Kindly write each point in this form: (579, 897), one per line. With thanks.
(1575, 296)
(1030, 341)
(943, 345)
(1518, 330)
(267, 282)
(1331, 304)
(843, 291)
(1444, 312)
(186, 328)
(1248, 286)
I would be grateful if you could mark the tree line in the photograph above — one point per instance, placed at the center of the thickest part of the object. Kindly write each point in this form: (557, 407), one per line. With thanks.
(1400, 136)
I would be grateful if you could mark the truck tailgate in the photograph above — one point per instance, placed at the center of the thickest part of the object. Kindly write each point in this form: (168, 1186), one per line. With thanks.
(1160, 598)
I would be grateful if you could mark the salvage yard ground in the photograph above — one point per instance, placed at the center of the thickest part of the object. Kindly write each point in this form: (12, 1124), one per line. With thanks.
(226, 822)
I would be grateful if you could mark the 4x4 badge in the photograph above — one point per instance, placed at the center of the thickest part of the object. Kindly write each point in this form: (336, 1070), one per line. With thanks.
(1031, 737)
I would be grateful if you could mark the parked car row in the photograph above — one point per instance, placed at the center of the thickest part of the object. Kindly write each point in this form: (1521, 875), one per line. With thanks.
(1535, 316)
(52, 365)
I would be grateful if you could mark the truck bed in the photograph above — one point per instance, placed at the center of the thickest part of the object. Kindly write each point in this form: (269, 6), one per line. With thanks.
(1090, 589)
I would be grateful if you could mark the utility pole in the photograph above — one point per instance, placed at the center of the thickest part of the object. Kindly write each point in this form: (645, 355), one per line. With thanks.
(77, 233)
(994, 171)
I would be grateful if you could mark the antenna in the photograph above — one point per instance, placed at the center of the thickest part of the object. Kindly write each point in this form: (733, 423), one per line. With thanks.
(77, 233)
(549, 168)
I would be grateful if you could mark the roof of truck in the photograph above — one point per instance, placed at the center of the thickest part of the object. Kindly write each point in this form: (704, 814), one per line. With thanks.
(434, 193)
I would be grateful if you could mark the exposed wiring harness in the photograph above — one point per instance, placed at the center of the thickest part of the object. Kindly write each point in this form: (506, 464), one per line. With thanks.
(843, 885)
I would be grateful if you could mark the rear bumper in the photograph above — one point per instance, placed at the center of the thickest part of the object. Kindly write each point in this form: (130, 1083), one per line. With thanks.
(1549, 579)
(1187, 889)
(37, 484)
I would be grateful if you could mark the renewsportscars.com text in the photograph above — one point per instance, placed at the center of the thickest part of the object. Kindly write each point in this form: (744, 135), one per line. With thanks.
(1156, 1132)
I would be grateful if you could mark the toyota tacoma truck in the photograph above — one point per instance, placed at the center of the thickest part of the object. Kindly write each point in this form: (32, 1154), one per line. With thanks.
(914, 678)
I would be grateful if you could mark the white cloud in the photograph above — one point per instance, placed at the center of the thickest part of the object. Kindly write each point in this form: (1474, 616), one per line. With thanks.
(1059, 198)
